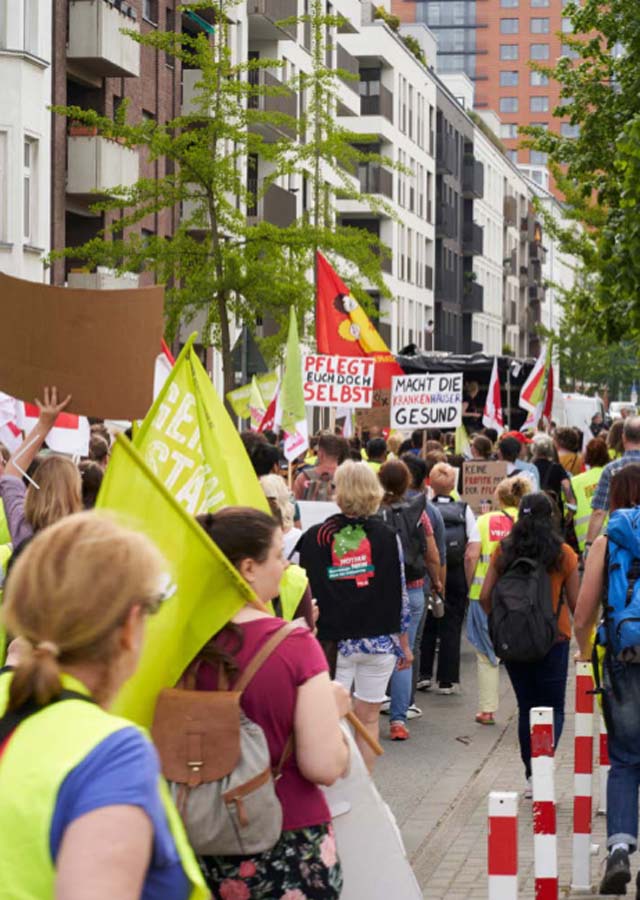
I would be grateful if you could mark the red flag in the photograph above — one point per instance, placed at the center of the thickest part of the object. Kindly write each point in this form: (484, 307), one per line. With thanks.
(269, 419)
(548, 405)
(344, 329)
(492, 416)
(70, 433)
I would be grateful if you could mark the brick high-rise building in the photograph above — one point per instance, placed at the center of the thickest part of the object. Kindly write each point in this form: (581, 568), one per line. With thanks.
(493, 42)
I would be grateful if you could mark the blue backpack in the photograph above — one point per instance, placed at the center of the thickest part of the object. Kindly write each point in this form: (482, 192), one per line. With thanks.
(619, 629)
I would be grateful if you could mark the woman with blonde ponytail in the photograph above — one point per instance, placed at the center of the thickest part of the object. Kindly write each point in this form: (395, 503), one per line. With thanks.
(83, 812)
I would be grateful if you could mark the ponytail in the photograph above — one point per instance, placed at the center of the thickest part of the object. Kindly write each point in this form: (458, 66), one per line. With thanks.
(36, 677)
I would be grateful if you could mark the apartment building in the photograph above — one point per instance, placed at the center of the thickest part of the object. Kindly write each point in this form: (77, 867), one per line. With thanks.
(25, 172)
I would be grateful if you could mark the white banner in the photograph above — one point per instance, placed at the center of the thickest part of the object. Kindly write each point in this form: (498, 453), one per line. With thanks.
(426, 401)
(338, 381)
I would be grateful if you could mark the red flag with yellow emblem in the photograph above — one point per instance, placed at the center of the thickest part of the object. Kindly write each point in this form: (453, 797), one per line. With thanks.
(344, 329)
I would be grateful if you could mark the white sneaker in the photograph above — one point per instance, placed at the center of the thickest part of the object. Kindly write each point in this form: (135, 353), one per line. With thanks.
(528, 791)
(414, 712)
(424, 684)
(445, 688)
(385, 706)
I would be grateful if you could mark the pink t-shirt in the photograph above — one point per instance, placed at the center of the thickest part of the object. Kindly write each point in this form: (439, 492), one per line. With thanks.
(270, 701)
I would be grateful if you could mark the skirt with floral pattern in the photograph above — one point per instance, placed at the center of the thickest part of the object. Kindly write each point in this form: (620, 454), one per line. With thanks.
(303, 865)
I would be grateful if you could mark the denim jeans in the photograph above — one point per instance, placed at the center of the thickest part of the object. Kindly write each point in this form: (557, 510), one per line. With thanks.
(622, 713)
(401, 681)
(541, 683)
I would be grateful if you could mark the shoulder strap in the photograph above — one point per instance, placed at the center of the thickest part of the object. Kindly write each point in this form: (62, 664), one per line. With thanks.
(10, 721)
(263, 655)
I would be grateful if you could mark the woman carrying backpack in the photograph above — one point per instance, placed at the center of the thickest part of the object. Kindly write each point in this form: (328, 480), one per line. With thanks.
(607, 578)
(410, 521)
(543, 681)
(291, 696)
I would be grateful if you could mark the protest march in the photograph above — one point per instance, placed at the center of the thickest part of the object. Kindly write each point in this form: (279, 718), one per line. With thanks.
(227, 621)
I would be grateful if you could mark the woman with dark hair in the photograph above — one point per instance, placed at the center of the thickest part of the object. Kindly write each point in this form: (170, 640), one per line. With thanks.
(481, 447)
(621, 683)
(544, 682)
(292, 696)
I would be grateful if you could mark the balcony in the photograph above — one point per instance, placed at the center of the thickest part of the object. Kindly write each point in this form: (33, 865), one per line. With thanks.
(472, 239)
(445, 154)
(277, 207)
(536, 293)
(536, 251)
(446, 222)
(96, 42)
(376, 180)
(98, 165)
(349, 64)
(190, 78)
(510, 263)
(278, 99)
(378, 105)
(472, 178)
(473, 298)
(510, 212)
(264, 16)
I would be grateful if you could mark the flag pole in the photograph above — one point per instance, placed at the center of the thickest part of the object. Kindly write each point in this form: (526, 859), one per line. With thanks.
(290, 475)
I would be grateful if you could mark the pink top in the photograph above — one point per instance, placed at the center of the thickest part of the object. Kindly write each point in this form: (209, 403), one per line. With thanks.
(270, 701)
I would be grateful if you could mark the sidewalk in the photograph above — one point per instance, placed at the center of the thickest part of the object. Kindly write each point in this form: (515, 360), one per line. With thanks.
(450, 862)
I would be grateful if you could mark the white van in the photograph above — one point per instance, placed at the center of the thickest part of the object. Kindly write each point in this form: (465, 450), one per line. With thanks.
(616, 407)
(575, 411)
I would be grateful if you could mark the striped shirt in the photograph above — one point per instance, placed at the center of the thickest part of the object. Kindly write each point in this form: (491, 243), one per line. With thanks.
(600, 499)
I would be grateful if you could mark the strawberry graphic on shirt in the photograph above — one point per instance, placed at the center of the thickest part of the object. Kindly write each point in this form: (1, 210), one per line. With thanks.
(351, 556)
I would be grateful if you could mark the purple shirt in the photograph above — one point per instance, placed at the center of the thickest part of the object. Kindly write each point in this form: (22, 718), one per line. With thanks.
(12, 493)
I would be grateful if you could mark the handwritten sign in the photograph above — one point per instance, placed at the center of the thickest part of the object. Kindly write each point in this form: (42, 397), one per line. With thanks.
(426, 401)
(479, 481)
(338, 381)
(378, 415)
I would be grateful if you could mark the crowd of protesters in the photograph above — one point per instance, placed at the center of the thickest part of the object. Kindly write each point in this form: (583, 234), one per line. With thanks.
(380, 594)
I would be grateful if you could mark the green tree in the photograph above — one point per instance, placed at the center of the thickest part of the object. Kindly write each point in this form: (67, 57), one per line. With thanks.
(219, 263)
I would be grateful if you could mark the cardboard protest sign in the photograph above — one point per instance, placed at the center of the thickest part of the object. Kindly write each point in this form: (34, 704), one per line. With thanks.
(426, 401)
(338, 381)
(479, 481)
(98, 346)
(378, 415)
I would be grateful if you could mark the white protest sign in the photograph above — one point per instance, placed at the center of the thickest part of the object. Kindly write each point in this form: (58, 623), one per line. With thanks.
(426, 401)
(338, 381)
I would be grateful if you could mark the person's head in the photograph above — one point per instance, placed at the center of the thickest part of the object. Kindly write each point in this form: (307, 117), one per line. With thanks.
(473, 388)
(358, 491)
(596, 419)
(78, 596)
(405, 447)
(59, 492)
(543, 447)
(614, 437)
(624, 492)
(596, 455)
(433, 458)
(99, 450)
(534, 535)
(275, 490)
(481, 447)
(100, 429)
(252, 542)
(416, 439)
(433, 447)
(631, 433)
(510, 491)
(394, 442)
(395, 479)
(4, 456)
(491, 433)
(417, 468)
(442, 479)
(509, 449)
(270, 437)
(265, 458)
(567, 440)
(91, 475)
(377, 450)
(332, 449)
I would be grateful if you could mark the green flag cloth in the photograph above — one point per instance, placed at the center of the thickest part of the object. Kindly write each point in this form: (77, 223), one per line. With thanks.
(208, 591)
(291, 391)
(239, 399)
(188, 440)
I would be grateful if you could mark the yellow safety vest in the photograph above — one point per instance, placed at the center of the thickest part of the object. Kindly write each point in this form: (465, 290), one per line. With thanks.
(38, 757)
(488, 543)
(584, 486)
(6, 551)
(292, 587)
(5, 537)
(373, 464)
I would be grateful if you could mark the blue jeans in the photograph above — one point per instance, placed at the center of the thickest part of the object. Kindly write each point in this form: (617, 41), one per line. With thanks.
(401, 681)
(622, 713)
(541, 683)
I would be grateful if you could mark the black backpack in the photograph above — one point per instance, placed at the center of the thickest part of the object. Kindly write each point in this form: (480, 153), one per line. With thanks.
(454, 516)
(404, 519)
(522, 624)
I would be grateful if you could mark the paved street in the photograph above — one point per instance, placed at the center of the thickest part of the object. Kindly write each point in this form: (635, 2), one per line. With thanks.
(438, 783)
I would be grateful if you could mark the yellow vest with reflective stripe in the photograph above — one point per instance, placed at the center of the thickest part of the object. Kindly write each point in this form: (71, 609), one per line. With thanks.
(584, 486)
(487, 546)
(43, 751)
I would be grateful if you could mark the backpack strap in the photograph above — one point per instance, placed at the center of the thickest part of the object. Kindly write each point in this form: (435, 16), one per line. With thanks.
(263, 655)
(10, 720)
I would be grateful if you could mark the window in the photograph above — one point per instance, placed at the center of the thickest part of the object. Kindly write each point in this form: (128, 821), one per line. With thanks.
(509, 3)
(29, 185)
(170, 25)
(150, 11)
(567, 26)
(539, 104)
(539, 26)
(569, 131)
(566, 50)
(537, 158)
(512, 155)
(508, 51)
(509, 104)
(539, 51)
(543, 125)
(509, 26)
(538, 79)
(3, 186)
(508, 79)
(538, 3)
(508, 130)
(31, 26)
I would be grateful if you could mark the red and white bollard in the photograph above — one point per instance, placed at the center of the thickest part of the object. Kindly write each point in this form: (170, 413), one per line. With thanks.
(502, 845)
(582, 779)
(604, 766)
(545, 842)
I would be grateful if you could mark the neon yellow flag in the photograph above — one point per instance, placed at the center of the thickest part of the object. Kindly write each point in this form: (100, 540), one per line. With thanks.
(208, 590)
(257, 406)
(239, 399)
(191, 444)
